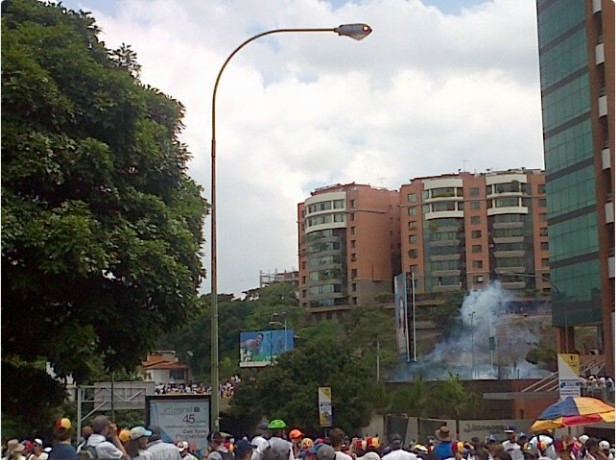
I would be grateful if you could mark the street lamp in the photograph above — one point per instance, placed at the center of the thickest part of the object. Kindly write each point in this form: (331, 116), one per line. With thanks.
(278, 323)
(354, 31)
(472, 315)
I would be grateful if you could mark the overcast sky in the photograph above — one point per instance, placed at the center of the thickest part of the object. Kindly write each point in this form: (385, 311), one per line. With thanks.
(440, 85)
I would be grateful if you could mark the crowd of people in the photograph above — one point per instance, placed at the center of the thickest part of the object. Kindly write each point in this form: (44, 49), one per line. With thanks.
(598, 386)
(276, 441)
(226, 389)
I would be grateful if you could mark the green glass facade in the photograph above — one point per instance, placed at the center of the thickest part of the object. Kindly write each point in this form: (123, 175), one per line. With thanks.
(569, 162)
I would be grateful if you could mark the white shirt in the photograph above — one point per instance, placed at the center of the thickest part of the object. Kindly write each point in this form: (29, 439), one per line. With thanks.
(261, 444)
(163, 451)
(513, 449)
(104, 448)
(343, 456)
(400, 454)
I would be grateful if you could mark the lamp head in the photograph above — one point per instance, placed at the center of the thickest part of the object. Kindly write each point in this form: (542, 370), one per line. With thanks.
(354, 31)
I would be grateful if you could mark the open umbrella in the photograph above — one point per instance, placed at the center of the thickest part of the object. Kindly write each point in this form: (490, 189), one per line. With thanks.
(573, 411)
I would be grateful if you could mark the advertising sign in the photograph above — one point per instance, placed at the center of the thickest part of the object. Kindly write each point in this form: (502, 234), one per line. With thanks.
(569, 383)
(261, 348)
(326, 415)
(181, 418)
(401, 311)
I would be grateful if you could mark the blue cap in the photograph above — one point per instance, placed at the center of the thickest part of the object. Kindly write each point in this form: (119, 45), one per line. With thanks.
(491, 438)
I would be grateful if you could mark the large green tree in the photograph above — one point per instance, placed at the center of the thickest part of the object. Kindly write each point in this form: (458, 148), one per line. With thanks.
(101, 225)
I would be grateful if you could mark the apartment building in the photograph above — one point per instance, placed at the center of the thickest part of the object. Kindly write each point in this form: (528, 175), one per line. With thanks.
(349, 247)
(576, 56)
(459, 231)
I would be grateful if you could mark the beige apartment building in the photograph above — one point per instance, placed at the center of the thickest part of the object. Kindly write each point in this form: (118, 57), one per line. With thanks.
(349, 247)
(459, 231)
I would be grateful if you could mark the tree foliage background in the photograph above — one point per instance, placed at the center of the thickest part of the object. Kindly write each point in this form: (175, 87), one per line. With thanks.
(101, 224)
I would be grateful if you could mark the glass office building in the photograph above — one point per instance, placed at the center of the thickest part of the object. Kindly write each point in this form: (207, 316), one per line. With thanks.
(576, 54)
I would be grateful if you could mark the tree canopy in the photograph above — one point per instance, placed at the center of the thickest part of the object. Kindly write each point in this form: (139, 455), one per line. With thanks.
(102, 226)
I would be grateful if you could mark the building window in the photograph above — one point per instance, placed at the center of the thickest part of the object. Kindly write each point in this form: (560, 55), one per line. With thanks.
(477, 263)
(475, 205)
(353, 257)
(303, 293)
(474, 191)
(412, 197)
(352, 230)
(543, 217)
(352, 216)
(545, 262)
(338, 204)
(478, 279)
(352, 203)
(542, 202)
(413, 253)
(354, 287)
(353, 273)
(412, 239)
(303, 280)
(476, 248)
(353, 244)
(354, 300)
(303, 265)
(476, 234)
(545, 246)
(541, 188)
(475, 219)
(412, 225)
(412, 211)
(543, 231)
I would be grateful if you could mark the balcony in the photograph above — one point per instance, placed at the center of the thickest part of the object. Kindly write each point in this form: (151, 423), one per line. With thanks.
(518, 253)
(609, 213)
(444, 214)
(606, 162)
(596, 6)
(599, 54)
(602, 103)
(508, 210)
(508, 224)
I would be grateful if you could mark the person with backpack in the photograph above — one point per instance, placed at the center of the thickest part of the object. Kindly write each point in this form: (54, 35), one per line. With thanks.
(98, 446)
(282, 447)
(218, 450)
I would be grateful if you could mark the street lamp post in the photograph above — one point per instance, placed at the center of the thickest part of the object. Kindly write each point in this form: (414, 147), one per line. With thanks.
(472, 315)
(274, 323)
(355, 31)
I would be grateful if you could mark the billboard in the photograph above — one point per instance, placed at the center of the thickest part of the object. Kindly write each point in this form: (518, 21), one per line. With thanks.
(401, 311)
(261, 348)
(326, 418)
(181, 418)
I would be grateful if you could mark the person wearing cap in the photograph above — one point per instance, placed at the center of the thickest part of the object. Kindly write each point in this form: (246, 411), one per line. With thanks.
(397, 452)
(326, 452)
(102, 428)
(277, 442)
(510, 445)
(136, 447)
(86, 432)
(604, 448)
(37, 450)
(62, 450)
(296, 436)
(243, 450)
(184, 451)
(160, 449)
(218, 450)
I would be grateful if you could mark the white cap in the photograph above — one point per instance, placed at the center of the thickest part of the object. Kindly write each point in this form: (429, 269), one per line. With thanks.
(583, 438)
(604, 445)
(38, 441)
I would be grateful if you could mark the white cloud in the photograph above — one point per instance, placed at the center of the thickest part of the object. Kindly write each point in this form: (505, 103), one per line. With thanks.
(427, 93)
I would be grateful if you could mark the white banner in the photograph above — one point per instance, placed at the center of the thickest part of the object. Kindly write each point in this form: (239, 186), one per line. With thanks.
(569, 383)
(182, 418)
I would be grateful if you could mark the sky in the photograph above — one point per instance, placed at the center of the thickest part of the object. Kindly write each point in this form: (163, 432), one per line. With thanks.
(439, 86)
